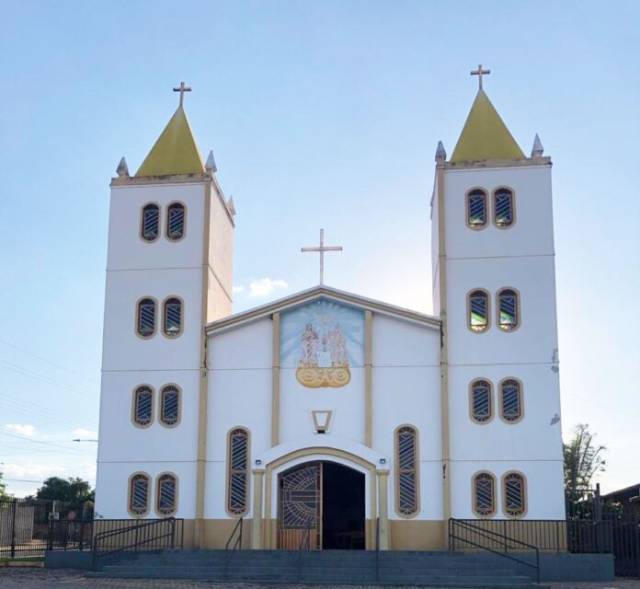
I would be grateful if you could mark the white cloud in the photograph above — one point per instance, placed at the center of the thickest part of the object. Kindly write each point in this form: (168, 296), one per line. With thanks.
(82, 432)
(24, 429)
(238, 289)
(265, 286)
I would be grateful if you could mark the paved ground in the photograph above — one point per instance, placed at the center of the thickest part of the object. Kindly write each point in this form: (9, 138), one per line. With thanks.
(20, 578)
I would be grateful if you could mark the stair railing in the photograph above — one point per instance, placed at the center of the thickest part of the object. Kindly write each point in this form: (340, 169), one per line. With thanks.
(133, 537)
(462, 530)
(234, 542)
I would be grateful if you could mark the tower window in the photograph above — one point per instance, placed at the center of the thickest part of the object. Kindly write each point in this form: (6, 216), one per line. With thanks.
(175, 221)
(167, 491)
(510, 400)
(480, 398)
(476, 208)
(407, 470)
(146, 319)
(514, 493)
(508, 312)
(238, 471)
(172, 325)
(503, 207)
(478, 310)
(484, 494)
(139, 494)
(143, 406)
(150, 222)
(170, 405)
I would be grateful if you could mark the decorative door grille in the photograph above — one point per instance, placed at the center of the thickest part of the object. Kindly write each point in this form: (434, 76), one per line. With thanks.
(300, 508)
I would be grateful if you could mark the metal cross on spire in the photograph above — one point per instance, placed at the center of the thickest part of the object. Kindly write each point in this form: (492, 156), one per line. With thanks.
(182, 89)
(321, 249)
(480, 72)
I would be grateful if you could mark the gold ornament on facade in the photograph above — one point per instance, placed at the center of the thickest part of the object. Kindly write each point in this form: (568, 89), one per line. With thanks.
(332, 343)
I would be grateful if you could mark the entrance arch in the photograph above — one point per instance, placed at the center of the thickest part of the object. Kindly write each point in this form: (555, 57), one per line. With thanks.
(321, 504)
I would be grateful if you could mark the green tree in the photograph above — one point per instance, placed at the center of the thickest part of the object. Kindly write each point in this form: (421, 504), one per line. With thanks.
(583, 459)
(3, 487)
(73, 491)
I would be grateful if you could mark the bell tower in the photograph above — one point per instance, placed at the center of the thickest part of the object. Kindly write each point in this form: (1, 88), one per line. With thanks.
(493, 264)
(169, 272)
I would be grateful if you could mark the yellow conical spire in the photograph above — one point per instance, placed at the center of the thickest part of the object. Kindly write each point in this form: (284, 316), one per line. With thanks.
(485, 136)
(175, 151)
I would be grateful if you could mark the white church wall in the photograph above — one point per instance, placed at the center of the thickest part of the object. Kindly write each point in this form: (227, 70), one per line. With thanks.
(123, 349)
(497, 439)
(535, 340)
(155, 442)
(113, 481)
(544, 487)
(532, 232)
(220, 258)
(128, 251)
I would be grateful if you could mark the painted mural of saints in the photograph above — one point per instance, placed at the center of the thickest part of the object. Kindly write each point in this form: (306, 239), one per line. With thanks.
(323, 359)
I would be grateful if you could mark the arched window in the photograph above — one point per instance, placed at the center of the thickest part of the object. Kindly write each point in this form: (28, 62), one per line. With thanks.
(172, 324)
(150, 222)
(175, 221)
(478, 311)
(143, 406)
(406, 470)
(170, 405)
(514, 494)
(139, 484)
(166, 495)
(146, 317)
(508, 309)
(484, 494)
(476, 208)
(238, 471)
(503, 208)
(480, 399)
(510, 400)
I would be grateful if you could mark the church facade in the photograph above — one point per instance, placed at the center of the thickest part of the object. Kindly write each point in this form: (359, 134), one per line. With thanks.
(327, 417)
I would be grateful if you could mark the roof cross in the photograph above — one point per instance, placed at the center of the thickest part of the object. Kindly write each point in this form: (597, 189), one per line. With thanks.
(321, 249)
(480, 72)
(182, 89)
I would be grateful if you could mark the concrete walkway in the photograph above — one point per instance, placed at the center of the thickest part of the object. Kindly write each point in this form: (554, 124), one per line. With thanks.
(38, 578)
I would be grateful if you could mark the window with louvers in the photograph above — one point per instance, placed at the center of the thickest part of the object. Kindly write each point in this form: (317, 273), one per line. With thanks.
(511, 400)
(238, 471)
(170, 405)
(146, 319)
(514, 494)
(407, 471)
(481, 405)
(150, 222)
(143, 406)
(508, 309)
(172, 317)
(175, 221)
(478, 310)
(484, 494)
(477, 209)
(503, 208)
(139, 494)
(166, 495)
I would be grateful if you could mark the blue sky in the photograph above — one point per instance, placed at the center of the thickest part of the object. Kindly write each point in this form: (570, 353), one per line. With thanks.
(320, 114)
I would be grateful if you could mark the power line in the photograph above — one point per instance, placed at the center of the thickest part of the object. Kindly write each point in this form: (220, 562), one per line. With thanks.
(45, 443)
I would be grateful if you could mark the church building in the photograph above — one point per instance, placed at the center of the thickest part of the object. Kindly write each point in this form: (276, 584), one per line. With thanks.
(327, 416)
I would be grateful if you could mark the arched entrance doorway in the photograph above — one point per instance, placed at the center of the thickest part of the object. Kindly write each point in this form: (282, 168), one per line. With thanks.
(322, 504)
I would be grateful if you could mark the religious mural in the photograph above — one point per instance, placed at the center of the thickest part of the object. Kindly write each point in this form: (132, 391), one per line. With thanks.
(322, 340)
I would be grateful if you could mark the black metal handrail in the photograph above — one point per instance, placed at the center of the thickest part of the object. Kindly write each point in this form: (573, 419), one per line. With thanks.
(496, 537)
(150, 534)
(237, 543)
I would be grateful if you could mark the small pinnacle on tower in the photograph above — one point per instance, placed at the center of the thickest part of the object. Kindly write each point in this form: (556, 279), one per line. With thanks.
(537, 150)
(441, 154)
(122, 169)
(210, 165)
(231, 207)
